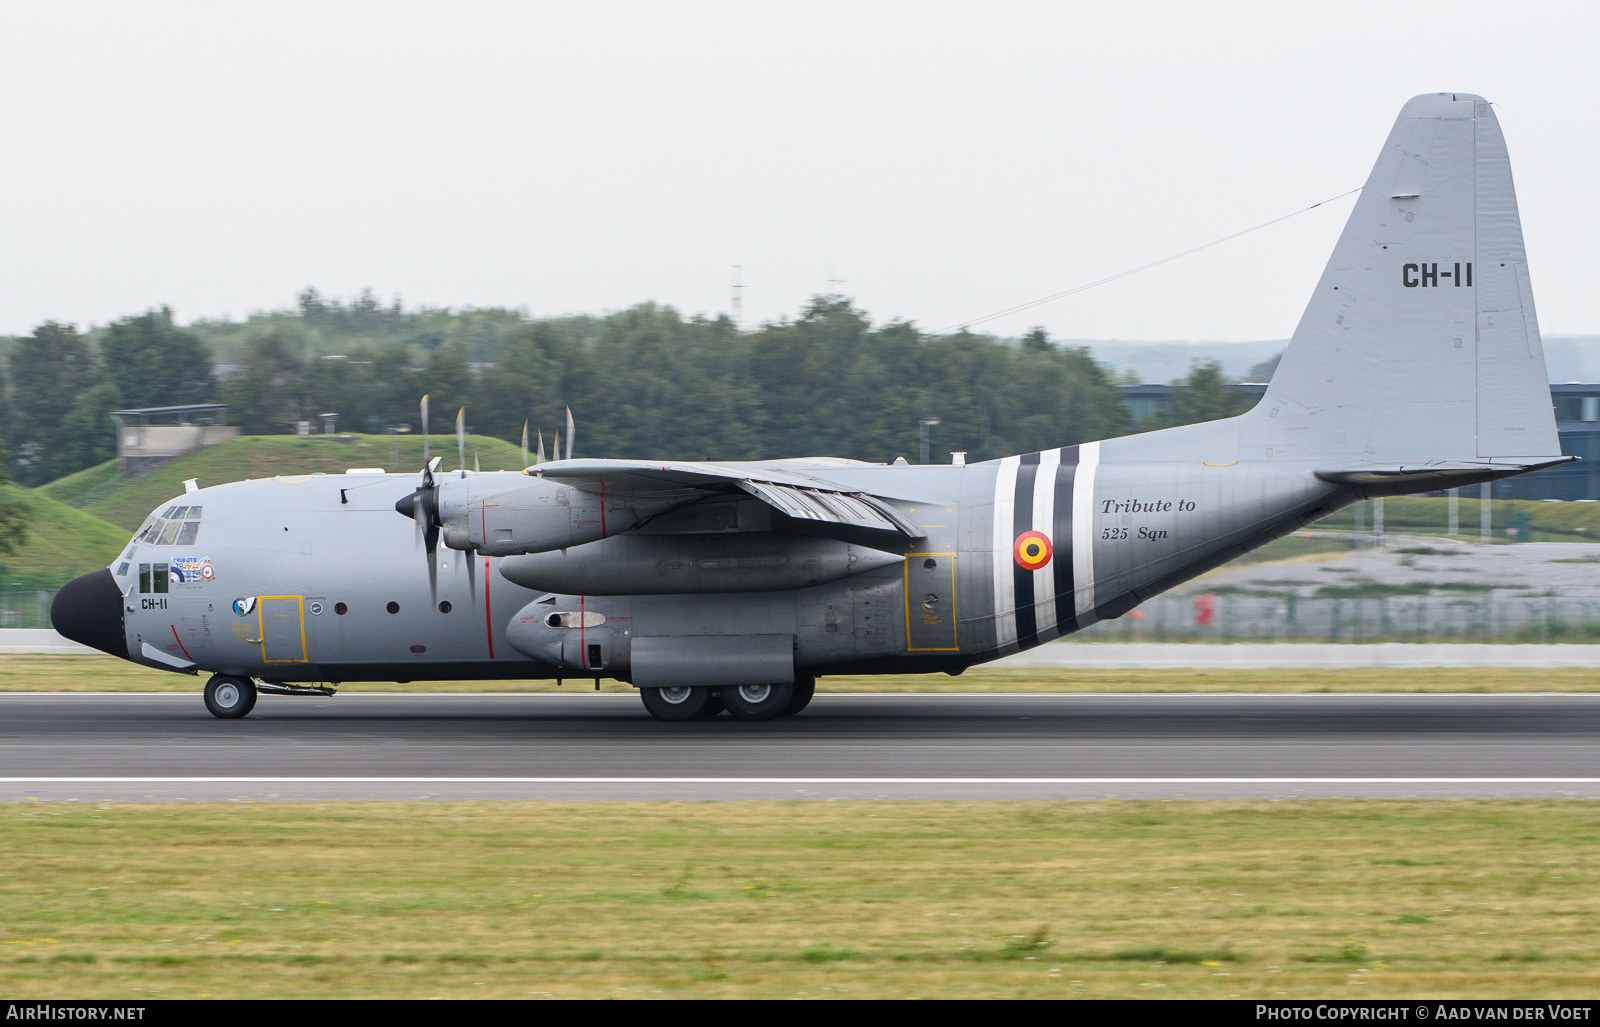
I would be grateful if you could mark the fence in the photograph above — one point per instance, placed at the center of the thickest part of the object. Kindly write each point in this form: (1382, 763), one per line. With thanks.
(25, 607)
(1425, 617)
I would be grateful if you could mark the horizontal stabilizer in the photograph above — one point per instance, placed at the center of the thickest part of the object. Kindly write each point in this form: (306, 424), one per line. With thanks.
(1419, 476)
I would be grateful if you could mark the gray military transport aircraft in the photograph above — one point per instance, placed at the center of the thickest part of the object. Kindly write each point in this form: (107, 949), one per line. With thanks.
(709, 586)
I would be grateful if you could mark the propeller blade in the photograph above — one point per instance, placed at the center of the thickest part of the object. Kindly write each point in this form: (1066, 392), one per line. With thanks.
(541, 445)
(555, 446)
(433, 565)
(424, 431)
(471, 556)
(461, 440)
(524, 443)
(475, 466)
(572, 430)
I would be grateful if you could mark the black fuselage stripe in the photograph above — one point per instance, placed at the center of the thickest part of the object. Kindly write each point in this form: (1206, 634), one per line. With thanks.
(1061, 536)
(1022, 520)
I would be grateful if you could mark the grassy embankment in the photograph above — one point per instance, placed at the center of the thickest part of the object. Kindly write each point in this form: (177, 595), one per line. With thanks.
(126, 502)
(848, 899)
(108, 674)
(62, 543)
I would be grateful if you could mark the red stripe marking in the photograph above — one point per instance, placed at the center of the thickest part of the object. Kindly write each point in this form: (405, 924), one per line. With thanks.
(488, 622)
(178, 640)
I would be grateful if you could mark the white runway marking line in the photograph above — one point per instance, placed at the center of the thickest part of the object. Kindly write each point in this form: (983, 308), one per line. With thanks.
(820, 780)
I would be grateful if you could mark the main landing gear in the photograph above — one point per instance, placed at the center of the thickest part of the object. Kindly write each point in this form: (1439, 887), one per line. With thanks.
(744, 702)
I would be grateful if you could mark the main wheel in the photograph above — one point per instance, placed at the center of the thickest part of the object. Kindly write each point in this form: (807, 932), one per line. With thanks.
(682, 703)
(230, 697)
(758, 702)
(804, 688)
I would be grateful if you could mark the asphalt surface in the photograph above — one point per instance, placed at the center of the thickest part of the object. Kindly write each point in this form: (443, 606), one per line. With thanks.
(92, 747)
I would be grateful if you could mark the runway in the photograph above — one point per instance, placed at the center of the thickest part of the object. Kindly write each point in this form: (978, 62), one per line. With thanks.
(97, 747)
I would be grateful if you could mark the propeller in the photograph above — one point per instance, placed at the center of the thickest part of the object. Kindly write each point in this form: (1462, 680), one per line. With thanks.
(524, 445)
(422, 506)
(541, 445)
(572, 430)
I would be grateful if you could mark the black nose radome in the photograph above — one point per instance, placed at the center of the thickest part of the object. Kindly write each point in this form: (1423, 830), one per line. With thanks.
(88, 609)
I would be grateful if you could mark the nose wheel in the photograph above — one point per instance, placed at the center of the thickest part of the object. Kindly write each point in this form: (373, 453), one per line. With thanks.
(230, 698)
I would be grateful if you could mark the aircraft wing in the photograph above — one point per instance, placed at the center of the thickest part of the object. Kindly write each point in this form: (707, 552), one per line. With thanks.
(810, 504)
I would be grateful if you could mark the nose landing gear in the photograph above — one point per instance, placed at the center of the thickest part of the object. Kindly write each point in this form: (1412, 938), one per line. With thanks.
(228, 697)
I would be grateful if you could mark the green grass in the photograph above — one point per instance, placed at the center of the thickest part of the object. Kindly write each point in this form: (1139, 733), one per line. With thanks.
(75, 489)
(1423, 515)
(62, 542)
(108, 674)
(263, 456)
(1258, 900)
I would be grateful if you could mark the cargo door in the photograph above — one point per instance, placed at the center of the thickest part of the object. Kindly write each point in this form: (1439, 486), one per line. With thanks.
(930, 597)
(283, 629)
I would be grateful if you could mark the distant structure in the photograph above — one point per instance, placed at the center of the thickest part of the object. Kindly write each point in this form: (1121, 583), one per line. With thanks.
(1577, 410)
(149, 437)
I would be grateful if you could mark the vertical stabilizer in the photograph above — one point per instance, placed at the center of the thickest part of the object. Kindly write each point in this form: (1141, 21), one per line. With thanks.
(1421, 342)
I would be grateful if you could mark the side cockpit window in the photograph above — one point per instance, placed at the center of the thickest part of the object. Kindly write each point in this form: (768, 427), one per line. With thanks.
(153, 578)
(188, 533)
(169, 534)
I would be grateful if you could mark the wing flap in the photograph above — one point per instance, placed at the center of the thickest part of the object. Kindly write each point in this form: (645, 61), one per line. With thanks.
(856, 510)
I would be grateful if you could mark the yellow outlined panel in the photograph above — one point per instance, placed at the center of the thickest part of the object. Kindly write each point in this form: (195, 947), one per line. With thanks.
(261, 626)
(954, 645)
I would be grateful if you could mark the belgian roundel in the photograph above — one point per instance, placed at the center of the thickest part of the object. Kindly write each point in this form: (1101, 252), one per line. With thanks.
(1032, 550)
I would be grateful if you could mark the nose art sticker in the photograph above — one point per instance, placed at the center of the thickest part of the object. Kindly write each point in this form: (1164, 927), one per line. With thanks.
(243, 606)
(1032, 550)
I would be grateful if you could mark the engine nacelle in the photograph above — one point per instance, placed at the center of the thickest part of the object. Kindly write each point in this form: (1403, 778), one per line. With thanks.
(507, 513)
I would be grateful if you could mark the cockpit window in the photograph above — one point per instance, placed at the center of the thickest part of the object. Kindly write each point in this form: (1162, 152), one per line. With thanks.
(169, 511)
(168, 533)
(179, 514)
(194, 513)
(186, 535)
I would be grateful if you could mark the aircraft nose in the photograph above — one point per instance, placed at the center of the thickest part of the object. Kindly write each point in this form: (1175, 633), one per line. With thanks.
(88, 609)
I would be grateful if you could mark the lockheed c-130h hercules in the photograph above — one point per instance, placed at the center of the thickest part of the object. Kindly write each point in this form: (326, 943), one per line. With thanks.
(1417, 366)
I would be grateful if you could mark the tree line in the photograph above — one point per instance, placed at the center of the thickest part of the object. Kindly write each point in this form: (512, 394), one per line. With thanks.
(642, 383)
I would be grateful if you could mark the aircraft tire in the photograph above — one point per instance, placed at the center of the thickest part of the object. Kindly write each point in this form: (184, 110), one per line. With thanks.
(230, 698)
(758, 702)
(676, 704)
(805, 686)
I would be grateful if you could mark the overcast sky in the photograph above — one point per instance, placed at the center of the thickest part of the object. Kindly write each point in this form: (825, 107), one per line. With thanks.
(938, 161)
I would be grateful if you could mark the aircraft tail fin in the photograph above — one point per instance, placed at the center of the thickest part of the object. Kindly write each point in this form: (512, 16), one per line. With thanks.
(1420, 344)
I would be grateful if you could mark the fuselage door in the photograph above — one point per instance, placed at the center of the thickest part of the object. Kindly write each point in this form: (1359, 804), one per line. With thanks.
(283, 629)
